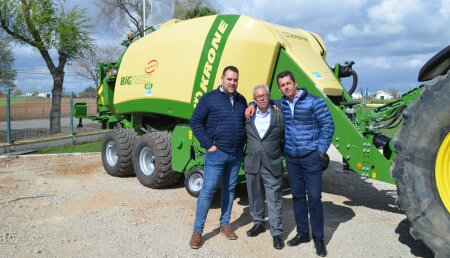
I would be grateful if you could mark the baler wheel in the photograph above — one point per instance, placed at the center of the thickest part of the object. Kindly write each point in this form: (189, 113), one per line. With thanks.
(422, 166)
(152, 160)
(116, 152)
(194, 181)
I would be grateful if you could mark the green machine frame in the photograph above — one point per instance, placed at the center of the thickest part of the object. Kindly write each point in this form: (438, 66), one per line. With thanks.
(356, 131)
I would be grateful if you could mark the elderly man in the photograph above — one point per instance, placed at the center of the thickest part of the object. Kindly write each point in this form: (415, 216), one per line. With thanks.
(263, 166)
(309, 129)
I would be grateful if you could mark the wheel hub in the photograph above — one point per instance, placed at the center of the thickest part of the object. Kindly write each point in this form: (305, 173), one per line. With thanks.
(442, 170)
(196, 182)
(111, 154)
(147, 161)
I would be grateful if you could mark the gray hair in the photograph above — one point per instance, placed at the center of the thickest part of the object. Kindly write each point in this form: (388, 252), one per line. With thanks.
(260, 86)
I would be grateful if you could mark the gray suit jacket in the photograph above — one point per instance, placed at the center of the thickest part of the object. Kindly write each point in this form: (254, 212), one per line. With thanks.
(266, 151)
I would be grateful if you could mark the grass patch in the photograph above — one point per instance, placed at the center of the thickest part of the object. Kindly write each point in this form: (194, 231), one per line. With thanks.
(84, 147)
(14, 100)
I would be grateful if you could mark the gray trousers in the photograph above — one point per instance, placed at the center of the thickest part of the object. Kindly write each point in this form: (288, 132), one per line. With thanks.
(264, 184)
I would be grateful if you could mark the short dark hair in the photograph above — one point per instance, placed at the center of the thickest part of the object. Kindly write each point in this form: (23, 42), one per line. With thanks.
(286, 73)
(231, 68)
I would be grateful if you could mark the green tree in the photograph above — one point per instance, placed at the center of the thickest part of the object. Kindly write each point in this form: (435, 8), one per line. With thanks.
(7, 72)
(89, 92)
(47, 26)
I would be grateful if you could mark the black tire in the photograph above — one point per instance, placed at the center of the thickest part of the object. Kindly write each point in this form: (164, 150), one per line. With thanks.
(426, 124)
(152, 160)
(194, 181)
(116, 152)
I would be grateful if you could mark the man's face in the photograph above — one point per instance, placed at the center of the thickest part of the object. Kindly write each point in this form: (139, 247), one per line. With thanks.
(287, 86)
(230, 82)
(261, 98)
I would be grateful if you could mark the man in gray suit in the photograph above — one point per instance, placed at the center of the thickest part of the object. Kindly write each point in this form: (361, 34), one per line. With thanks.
(263, 165)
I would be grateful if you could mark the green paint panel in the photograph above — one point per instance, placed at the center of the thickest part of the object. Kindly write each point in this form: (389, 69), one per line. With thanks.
(181, 147)
(353, 146)
(157, 106)
(206, 57)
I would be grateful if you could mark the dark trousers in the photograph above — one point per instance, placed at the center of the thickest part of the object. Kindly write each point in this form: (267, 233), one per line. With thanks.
(305, 177)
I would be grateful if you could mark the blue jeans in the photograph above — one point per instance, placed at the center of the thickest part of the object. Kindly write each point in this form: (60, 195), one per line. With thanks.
(305, 178)
(219, 166)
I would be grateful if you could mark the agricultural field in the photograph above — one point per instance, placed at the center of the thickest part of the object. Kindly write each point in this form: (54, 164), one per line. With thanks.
(26, 108)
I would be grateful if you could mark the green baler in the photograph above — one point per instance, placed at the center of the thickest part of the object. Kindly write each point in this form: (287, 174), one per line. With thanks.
(149, 94)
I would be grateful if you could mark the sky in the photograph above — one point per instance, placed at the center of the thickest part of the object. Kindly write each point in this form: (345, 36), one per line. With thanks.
(389, 40)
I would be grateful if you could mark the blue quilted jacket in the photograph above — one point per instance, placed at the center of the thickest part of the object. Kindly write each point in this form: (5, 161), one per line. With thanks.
(310, 128)
(216, 122)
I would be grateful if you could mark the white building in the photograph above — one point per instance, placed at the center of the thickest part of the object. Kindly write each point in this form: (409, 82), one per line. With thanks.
(356, 95)
(382, 95)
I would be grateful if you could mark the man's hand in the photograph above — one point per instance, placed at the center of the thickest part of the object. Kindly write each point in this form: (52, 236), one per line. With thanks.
(249, 111)
(275, 107)
(212, 148)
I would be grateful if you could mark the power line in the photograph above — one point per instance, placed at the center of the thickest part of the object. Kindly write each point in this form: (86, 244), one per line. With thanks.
(39, 72)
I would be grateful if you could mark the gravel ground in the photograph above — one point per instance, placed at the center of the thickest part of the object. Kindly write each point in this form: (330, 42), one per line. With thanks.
(67, 206)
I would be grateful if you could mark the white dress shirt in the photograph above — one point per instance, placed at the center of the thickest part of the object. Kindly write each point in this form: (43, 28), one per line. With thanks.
(262, 121)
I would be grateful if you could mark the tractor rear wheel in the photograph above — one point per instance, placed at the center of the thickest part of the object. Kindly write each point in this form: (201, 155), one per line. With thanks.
(152, 160)
(422, 166)
(116, 152)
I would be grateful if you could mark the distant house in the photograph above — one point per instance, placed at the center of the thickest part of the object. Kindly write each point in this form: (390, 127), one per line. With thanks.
(381, 95)
(47, 95)
(356, 95)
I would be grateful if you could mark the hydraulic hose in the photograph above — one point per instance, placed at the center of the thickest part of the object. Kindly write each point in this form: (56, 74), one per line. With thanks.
(355, 82)
(347, 71)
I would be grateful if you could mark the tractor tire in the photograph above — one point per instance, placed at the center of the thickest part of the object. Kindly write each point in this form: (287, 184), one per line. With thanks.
(194, 181)
(152, 160)
(421, 167)
(116, 152)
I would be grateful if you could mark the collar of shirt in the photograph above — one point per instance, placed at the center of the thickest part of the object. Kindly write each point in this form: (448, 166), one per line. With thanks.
(292, 103)
(231, 97)
(297, 96)
(260, 114)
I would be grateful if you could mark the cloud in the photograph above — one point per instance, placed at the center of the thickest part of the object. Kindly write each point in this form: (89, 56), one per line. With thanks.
(388, 39)
(444, 9)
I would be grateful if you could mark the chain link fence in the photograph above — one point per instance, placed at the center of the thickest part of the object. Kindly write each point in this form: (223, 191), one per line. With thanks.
(30, 117)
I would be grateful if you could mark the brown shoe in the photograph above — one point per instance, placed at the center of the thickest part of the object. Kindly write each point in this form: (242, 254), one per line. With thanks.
(196, 240)
(228, 232)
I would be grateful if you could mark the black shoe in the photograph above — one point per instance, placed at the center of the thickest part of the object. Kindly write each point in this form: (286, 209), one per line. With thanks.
(257, 229)
(321, 250)
(298, 239)
(278, 242)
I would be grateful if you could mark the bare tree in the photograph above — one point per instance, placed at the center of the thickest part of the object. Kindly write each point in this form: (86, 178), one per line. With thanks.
(122, 13)
(85, 65)
(196, 8)
(128, 14)
(394, 93)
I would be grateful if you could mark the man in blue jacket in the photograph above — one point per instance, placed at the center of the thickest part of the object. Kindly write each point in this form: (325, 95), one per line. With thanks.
(309, 129)
(218, 122)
